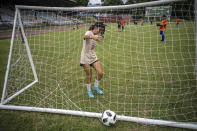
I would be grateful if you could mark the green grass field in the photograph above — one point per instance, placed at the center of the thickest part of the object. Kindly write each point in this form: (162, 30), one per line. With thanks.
(142, 78)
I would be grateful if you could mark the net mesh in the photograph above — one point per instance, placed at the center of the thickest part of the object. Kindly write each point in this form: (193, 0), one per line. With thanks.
(143, 77)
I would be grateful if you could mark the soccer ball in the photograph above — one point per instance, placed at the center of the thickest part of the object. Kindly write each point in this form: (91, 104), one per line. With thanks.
(108, 118)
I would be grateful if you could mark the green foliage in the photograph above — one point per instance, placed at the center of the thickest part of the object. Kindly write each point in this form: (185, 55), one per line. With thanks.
(130, 2)
(82, 2)
(113, 2)
(138, 1)
(187, 10)
(53, 3)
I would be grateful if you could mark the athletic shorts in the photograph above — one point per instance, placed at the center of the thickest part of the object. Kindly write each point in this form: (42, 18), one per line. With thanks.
(89, 64)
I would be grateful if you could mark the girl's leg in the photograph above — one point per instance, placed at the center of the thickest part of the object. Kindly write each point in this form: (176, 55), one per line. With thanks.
(88, 71)
(97, 67)
(99, 76)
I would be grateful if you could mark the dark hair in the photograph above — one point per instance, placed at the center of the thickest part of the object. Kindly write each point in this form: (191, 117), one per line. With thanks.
(92, 27)
(97, 24)
(164, 15)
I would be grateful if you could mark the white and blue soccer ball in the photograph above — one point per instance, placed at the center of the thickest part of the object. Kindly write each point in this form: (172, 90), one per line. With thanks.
(108, 118)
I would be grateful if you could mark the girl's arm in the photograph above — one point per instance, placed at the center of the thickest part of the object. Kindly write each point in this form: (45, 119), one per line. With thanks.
(94, 37)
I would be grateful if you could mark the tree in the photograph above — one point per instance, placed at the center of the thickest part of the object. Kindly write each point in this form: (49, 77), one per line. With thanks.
(113, 2)
(82, 2)
(58, 3)
(137, 1)
(130, 2)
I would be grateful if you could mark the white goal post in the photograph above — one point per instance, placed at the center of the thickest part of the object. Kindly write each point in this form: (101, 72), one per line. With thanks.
(43, 72)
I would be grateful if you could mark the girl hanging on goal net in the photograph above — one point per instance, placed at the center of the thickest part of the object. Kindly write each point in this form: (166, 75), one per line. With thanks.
(89, 58)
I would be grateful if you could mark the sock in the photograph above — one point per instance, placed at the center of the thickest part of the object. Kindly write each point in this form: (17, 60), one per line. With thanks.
(96, 83)
(88, 87)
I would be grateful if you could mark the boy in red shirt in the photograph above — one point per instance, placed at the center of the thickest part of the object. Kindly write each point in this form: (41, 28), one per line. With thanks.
(163, 26)
(142, 23)
(122, 23)
(177, 22)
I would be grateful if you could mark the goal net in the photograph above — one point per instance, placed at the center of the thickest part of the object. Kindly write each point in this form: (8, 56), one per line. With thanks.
(145, 80)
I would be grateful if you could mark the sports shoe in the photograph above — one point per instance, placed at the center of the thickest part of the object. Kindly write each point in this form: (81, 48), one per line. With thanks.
(100, 92)
(90, 94)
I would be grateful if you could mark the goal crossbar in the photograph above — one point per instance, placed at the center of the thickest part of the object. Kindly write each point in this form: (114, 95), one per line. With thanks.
(94, 9)
(145, 121)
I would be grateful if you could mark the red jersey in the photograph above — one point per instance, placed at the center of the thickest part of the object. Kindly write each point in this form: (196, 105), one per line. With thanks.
(163, 25)
(178, 20)
(142, 22)
(122, 22)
